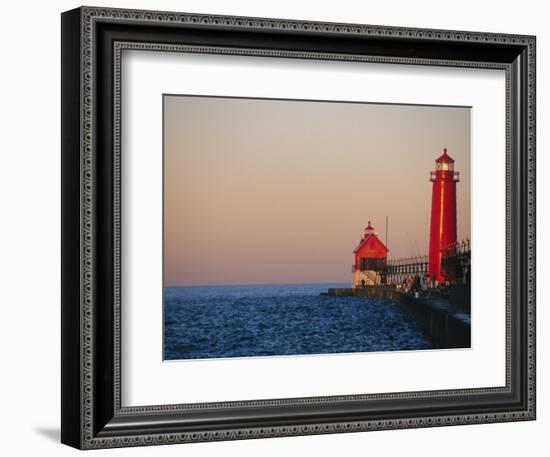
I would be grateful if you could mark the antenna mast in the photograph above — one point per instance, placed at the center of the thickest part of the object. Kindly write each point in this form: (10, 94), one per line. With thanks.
(387, 233)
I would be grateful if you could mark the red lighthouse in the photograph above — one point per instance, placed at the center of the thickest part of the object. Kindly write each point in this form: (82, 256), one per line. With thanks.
(443, 221)
(370, 256)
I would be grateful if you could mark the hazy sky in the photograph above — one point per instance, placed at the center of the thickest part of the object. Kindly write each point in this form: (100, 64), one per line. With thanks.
(276, 191)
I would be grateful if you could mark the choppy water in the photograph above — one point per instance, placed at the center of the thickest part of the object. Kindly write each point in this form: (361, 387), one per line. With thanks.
(264, 320)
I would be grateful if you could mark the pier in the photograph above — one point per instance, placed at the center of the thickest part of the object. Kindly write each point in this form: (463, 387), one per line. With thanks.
(444, 319)
(434, 289)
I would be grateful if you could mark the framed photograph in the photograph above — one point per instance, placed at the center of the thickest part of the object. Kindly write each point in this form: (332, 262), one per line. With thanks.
(273, 227)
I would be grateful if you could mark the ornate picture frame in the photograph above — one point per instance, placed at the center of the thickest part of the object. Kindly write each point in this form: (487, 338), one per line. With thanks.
(93, 415)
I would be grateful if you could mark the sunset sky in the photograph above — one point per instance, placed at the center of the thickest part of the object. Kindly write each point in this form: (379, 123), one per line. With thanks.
(277, 191)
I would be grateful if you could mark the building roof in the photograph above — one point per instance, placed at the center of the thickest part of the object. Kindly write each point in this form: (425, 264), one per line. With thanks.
(373, 238)
(444, 158)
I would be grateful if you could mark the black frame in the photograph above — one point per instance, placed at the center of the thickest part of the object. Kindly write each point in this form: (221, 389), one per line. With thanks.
(92, 40)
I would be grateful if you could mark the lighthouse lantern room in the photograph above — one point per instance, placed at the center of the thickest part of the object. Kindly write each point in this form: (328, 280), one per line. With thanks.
(370, 256)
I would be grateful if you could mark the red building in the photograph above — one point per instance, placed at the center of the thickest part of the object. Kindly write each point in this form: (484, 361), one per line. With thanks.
(370, 255)
(443, 218)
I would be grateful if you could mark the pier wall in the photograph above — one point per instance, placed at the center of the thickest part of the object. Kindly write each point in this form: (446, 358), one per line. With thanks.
(441, 322)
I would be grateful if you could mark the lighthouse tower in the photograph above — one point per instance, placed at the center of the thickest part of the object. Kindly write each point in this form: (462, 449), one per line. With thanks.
(443, 219)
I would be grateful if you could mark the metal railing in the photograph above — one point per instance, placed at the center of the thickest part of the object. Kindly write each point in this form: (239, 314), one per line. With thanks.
(403, 270)
(455, 265)
(456, 262)
(455, 175)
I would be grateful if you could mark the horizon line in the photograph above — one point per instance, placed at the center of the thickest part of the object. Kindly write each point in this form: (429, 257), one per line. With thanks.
(259, 284)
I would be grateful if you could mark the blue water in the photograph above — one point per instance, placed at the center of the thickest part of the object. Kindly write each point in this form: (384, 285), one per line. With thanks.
(264, 320)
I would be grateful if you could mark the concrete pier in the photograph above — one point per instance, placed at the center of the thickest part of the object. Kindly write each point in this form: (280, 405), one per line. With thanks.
(444, 323)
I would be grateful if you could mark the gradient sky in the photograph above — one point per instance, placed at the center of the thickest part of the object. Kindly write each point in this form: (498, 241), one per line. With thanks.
(277, 191)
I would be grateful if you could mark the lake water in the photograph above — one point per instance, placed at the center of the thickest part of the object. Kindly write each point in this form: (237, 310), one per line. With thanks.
(265, 320)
